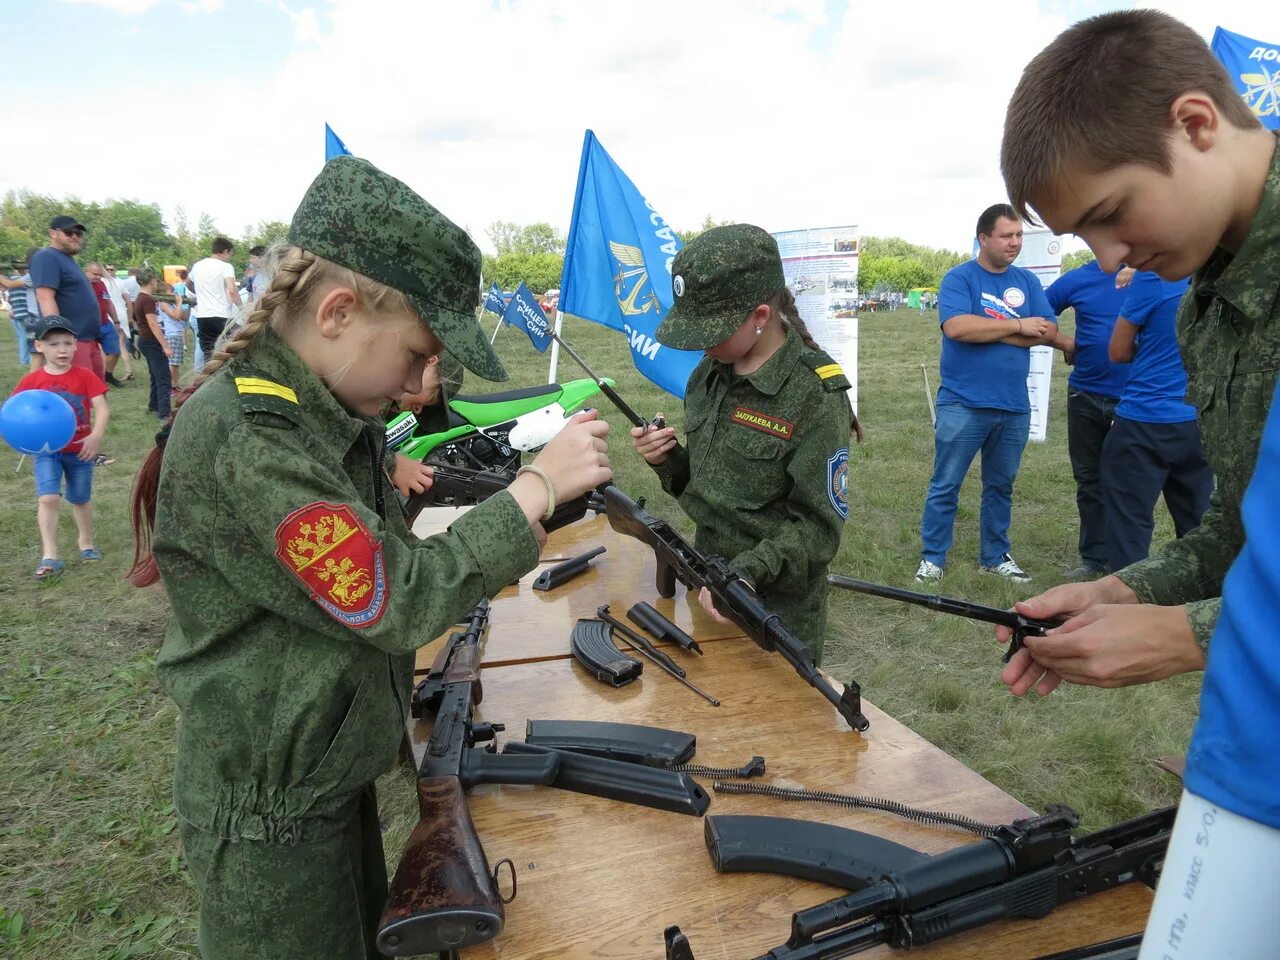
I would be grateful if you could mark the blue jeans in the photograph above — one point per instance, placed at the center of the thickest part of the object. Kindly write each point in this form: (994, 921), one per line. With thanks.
(158, 368)
(20, 331)
(960, 434)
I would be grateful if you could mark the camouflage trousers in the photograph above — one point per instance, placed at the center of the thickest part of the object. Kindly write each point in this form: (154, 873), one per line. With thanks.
(804, 615)
(311, 901)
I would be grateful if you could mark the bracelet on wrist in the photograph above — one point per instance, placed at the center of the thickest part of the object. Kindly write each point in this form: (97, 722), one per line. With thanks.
(551, 490)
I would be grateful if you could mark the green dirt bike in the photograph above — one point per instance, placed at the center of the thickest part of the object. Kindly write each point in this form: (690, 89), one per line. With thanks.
(489, 432)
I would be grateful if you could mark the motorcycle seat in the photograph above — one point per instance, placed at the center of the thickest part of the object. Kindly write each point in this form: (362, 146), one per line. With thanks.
(483, 408)
(539, 391)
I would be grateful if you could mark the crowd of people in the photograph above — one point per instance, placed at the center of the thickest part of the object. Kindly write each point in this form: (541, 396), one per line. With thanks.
(1131, 436)
(76, 327)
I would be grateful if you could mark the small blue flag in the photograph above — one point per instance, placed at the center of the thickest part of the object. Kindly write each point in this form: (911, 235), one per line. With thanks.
(1254, 67)
(333, 145)
(617, 266)
(493, 300)
(523, 313)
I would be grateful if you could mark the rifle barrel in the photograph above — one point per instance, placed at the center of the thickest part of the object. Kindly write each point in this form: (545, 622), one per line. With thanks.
(608, 391)
(961, 608)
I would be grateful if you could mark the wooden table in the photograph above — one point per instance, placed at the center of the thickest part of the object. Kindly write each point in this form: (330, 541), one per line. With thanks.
(600, 879)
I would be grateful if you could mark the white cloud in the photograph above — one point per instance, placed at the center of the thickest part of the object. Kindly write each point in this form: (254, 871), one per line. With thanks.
(306, 22)
(757, 111)
(199, 6)
(130, 8)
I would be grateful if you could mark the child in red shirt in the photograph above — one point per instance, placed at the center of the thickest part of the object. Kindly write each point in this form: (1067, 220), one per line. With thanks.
(86, 394)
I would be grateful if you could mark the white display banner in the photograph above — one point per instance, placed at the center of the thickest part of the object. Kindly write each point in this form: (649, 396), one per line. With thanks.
(821, 268)
(1042, 255)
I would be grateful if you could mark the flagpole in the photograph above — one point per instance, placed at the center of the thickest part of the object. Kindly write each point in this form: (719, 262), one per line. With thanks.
(555, 348)
(496, 328)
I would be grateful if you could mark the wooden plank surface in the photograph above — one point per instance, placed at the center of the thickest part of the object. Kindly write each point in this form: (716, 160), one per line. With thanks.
(528, 624)
(600, 879)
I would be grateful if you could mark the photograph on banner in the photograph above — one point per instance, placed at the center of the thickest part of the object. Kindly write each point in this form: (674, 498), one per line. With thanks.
(820, 266)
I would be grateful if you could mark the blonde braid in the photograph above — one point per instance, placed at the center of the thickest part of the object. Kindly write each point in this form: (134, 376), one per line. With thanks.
(294, 265)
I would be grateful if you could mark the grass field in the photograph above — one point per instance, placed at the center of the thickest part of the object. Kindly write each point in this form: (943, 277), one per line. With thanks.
(92, 866)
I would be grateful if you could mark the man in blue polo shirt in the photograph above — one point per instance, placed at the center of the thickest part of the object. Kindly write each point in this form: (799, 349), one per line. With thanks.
(992, 313)
(1154, 444)
(1093, 390)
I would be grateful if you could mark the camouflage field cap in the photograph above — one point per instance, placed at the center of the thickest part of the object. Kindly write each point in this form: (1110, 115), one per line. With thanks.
(364, 219)
(716, 281)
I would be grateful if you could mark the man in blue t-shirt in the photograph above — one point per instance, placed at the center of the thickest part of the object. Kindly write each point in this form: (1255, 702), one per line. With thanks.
(63, 290)
(992, 313)
(1154, 444)
(1093, 390)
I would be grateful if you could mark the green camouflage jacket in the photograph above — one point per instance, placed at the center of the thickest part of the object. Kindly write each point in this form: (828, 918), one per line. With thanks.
(1229, 332)
(299, 596)
(765, 475)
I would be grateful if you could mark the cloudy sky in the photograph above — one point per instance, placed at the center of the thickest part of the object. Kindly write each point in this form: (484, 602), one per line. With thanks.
(785, 113)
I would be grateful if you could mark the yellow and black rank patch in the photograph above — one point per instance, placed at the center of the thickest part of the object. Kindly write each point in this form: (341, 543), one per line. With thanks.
(774, 426)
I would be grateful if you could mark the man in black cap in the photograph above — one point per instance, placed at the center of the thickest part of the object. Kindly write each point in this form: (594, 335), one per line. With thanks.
(62, 289)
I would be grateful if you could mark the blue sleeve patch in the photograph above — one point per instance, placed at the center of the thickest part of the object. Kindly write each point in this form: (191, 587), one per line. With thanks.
(838, 482)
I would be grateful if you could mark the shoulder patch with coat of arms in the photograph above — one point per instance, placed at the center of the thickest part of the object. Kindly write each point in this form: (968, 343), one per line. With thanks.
(333, 554)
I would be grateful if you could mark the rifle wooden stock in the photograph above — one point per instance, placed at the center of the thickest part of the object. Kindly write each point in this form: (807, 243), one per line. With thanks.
(443, 896)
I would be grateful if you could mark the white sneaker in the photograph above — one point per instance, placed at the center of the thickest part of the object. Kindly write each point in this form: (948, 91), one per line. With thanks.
(928, 571)
(1009, 569)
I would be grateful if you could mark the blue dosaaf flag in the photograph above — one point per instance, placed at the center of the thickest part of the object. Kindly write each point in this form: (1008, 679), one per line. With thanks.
(523, 313)
(333, 145)
(617, 266)
(1254, 67)
(493, 300)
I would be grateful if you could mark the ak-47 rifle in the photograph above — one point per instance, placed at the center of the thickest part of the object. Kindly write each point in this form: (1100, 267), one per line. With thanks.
(462, 486)
(1021, 626)
(444, 896)
(678, 560)
(1026, 869)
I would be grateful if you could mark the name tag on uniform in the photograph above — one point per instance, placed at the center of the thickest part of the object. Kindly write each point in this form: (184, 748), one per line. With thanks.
(774, 426)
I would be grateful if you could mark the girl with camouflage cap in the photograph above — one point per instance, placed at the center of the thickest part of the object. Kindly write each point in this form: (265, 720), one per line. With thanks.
(767, 421)
(298, 593)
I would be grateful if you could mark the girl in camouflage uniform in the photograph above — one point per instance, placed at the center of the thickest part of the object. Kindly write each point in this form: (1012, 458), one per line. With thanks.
(767, 421)
(298, 593)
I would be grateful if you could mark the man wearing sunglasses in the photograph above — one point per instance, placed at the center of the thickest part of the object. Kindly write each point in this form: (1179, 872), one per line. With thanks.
(62, 289)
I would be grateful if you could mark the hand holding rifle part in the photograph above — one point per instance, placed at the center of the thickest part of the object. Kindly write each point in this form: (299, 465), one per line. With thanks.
(678, 560)
(1019, 625)
(461, 486)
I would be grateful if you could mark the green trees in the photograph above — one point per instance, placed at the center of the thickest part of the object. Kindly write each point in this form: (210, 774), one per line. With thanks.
(127, 233)
(122, 232)
(1077, 258)
(541, 271)
(892, 264)
(533, 254)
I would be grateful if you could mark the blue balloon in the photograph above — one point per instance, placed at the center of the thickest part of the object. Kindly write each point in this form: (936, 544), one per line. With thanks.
(37, 421)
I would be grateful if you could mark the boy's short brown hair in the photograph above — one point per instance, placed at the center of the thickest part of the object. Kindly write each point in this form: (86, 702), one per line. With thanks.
(1099, 96)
